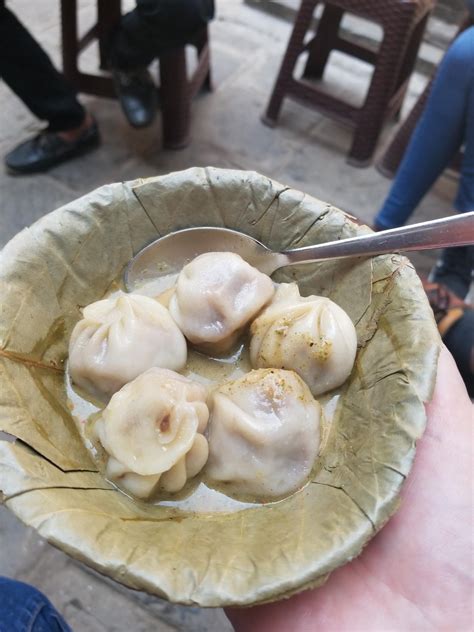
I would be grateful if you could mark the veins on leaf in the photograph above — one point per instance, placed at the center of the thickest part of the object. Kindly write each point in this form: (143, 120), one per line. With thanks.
(18, 357)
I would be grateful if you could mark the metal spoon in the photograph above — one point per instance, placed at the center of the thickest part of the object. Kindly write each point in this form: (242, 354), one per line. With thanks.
(170, 253)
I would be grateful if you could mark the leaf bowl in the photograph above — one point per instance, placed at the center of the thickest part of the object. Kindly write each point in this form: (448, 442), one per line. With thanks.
(71, 257)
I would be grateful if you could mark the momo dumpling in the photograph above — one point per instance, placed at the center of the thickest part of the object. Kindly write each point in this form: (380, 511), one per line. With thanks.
(118, 338)
(264, 434)
(152, 430)
(216, 296)
(310, 335)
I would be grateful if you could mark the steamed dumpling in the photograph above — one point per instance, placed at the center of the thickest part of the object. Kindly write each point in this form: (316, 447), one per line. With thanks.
(264, 434)
(310, 335)
(216, 295)
(118, 338)
(152, 430)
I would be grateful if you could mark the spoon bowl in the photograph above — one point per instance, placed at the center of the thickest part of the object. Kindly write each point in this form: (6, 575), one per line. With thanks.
(167, 255)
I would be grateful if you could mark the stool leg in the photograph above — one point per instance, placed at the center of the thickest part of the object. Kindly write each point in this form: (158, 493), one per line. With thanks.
(294, 49)
(108, 16)
(175, 99)
(393, 155)
(382, 87)
(201, 42)
(69, 38)
(409, 61)
(322, 45)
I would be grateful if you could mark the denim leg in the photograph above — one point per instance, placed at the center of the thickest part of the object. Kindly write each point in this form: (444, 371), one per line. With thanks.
(465, 198)
(447, 122)
(455, 266)
(25, 609)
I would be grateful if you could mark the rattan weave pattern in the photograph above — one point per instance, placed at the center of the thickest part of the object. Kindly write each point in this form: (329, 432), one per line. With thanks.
(403, 23)
(176, 88)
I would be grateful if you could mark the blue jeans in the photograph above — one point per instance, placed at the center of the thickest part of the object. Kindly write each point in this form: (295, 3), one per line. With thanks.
(446, 124)
(24, 609)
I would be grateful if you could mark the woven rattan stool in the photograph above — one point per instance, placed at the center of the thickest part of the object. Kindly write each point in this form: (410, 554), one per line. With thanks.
(403, 23)
(176, 89)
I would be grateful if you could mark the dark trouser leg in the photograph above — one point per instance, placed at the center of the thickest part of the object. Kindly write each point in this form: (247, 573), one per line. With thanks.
(460, 341)
(28, 71)
(454, 268)
(155, 26)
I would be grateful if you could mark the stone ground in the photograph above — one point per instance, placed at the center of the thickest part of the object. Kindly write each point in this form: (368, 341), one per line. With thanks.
(306, 151)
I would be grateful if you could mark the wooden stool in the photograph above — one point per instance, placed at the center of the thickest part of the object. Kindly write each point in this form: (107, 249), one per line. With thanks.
(176, 89)
(403, 23)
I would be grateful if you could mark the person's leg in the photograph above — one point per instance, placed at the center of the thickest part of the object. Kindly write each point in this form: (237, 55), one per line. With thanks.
(455, 320)
(28, 71)
(155, 26)
(448, 121)
(460, 341)
(455, 266)
(454, 269)
(23, 607)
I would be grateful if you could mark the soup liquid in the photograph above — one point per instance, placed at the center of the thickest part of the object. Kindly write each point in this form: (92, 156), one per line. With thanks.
(196, 496)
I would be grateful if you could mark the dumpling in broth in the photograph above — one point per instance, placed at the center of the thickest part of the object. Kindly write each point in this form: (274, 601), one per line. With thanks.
(264, 434)
(118, 338)
(310, 335)
(152, 430)
(216, 296)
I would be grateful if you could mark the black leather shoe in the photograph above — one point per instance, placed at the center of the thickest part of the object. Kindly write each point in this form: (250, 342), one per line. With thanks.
(47, 149)
(137, 95)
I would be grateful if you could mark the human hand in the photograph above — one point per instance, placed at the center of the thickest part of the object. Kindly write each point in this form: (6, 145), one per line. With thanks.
(416, 574)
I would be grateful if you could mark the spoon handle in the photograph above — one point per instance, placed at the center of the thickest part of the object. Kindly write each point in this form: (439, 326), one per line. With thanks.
(457, 230)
